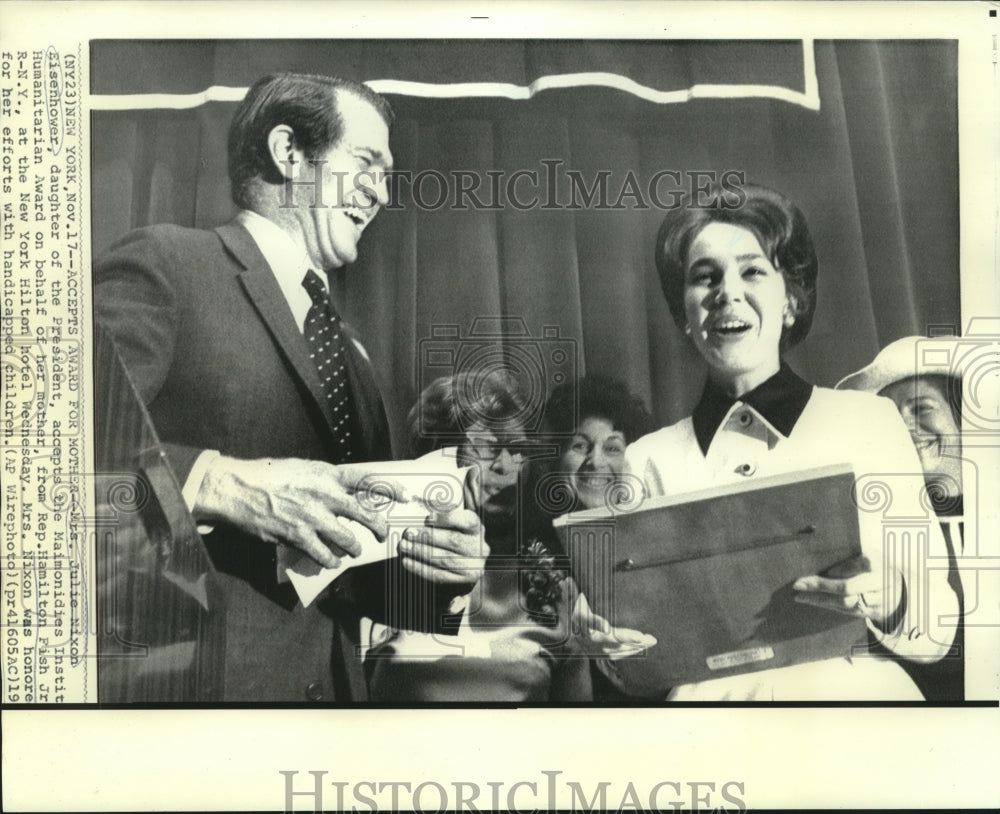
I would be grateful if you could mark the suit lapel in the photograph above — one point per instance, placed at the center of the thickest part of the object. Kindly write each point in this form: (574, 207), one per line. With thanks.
(259, 283)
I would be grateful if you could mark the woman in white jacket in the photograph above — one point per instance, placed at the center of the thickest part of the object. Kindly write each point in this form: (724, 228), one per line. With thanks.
(740, 280)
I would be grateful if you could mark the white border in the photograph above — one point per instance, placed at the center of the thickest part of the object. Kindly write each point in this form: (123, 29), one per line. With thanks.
(792, 758)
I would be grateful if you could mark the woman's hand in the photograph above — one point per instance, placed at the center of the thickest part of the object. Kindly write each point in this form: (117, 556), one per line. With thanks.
(854, 588)
(600, 640)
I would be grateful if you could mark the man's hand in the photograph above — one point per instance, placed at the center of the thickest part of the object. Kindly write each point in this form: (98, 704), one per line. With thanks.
(297, 502)
(449, 547)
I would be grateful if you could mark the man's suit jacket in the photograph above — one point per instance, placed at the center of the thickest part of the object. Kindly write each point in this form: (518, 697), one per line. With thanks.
(215, 353)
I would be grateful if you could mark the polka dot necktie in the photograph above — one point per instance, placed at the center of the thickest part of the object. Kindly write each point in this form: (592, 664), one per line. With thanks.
(326, 348)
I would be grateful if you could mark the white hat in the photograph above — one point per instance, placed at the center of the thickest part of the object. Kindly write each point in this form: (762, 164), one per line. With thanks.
(903, 359)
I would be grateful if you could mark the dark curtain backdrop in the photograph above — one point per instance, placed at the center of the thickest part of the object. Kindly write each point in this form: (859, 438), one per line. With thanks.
(875, 171)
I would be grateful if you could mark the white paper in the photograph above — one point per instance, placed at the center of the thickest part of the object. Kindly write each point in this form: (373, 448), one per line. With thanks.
(433, 483)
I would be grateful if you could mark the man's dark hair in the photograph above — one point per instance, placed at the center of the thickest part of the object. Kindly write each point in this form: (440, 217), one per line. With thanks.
(307, 103)
(779, 227)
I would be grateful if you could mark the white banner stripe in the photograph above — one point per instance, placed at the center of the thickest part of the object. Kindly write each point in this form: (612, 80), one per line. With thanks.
(168, 101)
(808, 98)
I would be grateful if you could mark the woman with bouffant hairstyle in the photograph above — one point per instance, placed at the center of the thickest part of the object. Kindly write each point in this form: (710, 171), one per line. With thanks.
(740, 282)
(780, 230)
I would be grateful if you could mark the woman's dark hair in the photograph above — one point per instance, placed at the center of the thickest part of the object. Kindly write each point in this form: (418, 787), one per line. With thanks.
(779, 227)
(451, 405)
(571, 402)
(307, 103)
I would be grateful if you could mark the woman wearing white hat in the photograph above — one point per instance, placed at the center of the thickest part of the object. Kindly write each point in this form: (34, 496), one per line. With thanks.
(930, 402)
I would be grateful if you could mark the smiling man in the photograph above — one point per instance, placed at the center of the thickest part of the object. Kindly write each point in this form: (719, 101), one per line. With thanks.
(264, 399)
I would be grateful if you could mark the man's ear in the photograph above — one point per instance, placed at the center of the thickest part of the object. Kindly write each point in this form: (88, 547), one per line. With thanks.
(284, 154)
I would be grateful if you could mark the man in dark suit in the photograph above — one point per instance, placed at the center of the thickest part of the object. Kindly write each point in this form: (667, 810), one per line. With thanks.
(264, 399)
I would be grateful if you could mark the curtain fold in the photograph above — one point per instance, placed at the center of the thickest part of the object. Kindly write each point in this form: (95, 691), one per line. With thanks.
(905, 162)
(875, 170)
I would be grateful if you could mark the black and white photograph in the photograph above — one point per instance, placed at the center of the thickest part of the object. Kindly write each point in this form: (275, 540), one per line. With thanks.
(552, 227)
(581, 383)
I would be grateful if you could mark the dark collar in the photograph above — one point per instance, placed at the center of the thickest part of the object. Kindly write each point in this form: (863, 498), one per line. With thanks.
(780, 401)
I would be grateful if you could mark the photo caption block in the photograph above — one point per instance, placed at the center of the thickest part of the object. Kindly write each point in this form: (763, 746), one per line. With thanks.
(46, 604)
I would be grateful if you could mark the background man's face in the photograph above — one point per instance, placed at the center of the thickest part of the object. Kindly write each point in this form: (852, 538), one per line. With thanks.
(353, 186)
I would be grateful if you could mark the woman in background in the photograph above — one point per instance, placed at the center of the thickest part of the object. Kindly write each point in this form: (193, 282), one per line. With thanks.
(740, 281)
(514, 642)
(593, 420)
(592, 449)
(930, 403)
